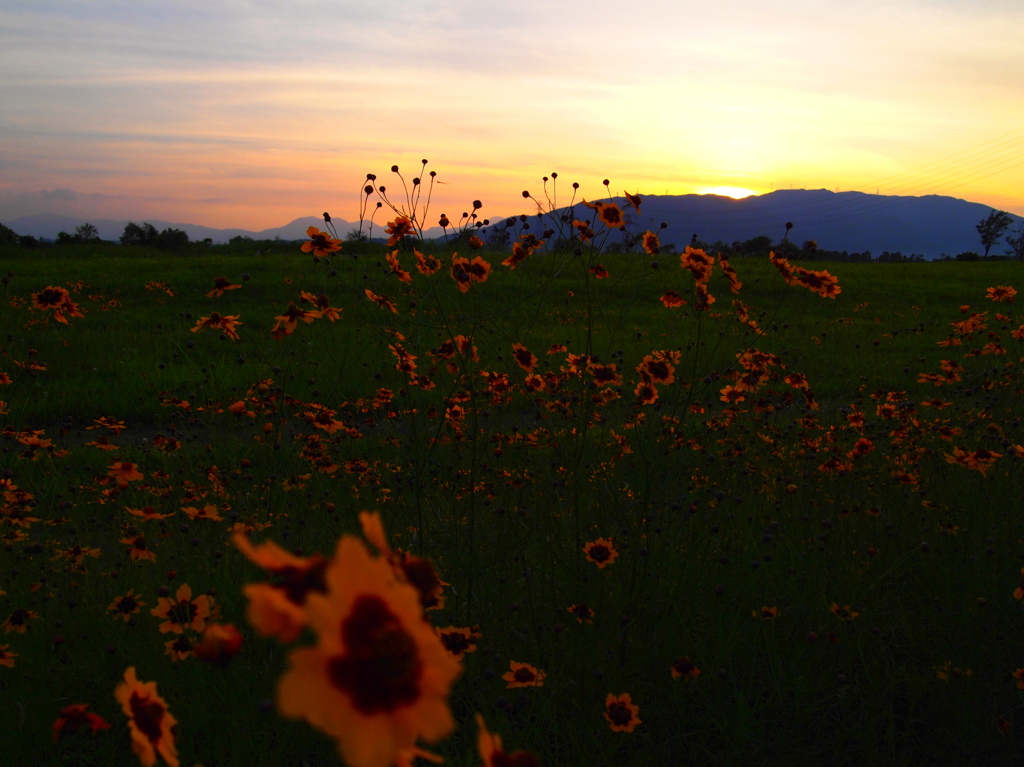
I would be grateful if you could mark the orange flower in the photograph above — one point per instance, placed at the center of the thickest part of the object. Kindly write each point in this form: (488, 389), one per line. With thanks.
(219, 644)
(466, 272)
(320, 243)
(6, 657)
(685, 669)
(151, 724)
(378, 678)
(844, 613)
(489, 746)
(399, 228)
(73, 718)
(105, 422)
(634, 200)
(179, 648)
(285, 324)
(621, 713)
(322, 304)
(278, 609)
(698, 263)
(16, 621)
(730, 273)
(650, 243)
(50, 298)
(523, 675)
(766, 613)
(519, 254)
(822, 283)
(125, 472)
(672, 300)
(183, 612)
(611, 216)
(396, 267)
(598, 271)
(458, 640)
(226, 324)
(382, 301)
(655, 369)
(601, 552)
(126, 606)
(1003, 293)
(524, 358)
(138, 548)
(209, 511)
(582, 613)
(220, 284)
(1019, 676)
(426, 265)
(646, 392)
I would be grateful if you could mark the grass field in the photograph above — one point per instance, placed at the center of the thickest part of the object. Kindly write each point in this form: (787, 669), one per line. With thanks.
(835, 558)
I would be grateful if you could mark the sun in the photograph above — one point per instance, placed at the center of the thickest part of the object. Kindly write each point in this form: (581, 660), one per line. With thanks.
(736, 192)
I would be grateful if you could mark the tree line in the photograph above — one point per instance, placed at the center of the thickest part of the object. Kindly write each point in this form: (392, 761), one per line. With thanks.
(991, 230)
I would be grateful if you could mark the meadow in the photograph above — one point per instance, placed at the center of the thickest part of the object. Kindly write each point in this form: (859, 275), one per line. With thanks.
(653, 508)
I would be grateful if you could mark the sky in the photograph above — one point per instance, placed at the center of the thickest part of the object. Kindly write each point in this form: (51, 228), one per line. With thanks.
(238, 113)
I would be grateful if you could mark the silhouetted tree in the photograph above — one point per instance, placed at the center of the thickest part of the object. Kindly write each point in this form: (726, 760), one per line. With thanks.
(1016, 242)
(87, 233)
(8, 236)
(139, 235)
(991, 228)
(171, 239)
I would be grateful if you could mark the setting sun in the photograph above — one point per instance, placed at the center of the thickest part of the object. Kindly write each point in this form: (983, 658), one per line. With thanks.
(736, 192)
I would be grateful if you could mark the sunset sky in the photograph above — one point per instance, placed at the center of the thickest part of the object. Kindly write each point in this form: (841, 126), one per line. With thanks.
(235, 113)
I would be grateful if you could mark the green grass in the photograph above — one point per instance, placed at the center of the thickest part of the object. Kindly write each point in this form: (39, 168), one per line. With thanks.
(696, 502)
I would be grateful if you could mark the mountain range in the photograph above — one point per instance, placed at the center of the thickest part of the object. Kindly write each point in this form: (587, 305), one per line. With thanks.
(931, 226)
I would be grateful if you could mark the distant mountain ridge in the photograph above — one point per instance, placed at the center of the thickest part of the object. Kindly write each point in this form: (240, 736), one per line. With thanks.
(931, 226)
(852, 221)
(48, 225)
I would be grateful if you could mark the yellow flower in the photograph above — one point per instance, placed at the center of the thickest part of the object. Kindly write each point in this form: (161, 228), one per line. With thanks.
(379, 677)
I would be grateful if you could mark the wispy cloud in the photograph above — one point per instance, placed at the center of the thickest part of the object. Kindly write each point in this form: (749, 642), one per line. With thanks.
(279, 105)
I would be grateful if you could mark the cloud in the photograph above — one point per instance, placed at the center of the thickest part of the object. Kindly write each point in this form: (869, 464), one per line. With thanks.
(64, 195)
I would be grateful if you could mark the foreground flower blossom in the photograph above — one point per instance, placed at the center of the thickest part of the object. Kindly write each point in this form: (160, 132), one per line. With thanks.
(278, 609)
(219, 644)
(621, 713)
(378, 678)
(320, 243)
(150, 723)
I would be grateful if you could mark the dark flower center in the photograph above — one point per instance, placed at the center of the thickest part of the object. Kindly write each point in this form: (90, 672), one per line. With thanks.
(147, 715)
(381, 668)
(127, 605)
(620, 714)
(455, 642)
(524, 675)
(599, 553)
